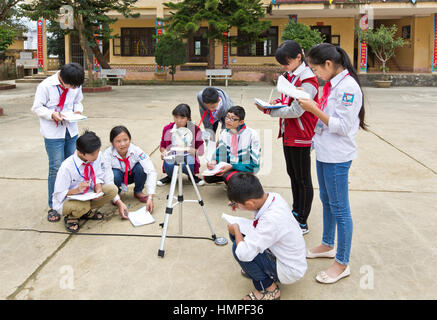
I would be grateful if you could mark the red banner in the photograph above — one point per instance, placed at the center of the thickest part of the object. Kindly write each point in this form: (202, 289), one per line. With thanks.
(40, 30)
(434, 60)
(226, 52)
(363, 46)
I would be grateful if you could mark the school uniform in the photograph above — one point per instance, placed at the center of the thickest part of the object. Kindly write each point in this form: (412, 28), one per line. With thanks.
(274, 250)
(59, 137)
(74, 171)
(296, 128)
(197, 143)
(242, 150)
(335, 148)
(210, 119)
(136, 167)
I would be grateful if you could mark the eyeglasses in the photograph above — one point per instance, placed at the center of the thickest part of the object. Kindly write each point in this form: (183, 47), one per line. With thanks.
(232, 119)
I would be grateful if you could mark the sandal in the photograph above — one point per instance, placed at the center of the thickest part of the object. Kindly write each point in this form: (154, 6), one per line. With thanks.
(267, 295)
(70, 226)
(90, 215)
(53, 214)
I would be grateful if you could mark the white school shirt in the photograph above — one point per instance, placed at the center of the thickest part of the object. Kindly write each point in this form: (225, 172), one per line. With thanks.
(135, 154)
(336, 142)
(46, 102)
(278, 231)
(70, 174)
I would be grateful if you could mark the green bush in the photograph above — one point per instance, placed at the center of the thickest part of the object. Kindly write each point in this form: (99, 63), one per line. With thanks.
(302, 34)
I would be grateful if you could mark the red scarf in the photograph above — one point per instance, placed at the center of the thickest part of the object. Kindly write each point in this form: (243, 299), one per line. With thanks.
(326, 92)
(89, 174)
(255, 222)
(62, 98)
(128, 170)
(211, 118)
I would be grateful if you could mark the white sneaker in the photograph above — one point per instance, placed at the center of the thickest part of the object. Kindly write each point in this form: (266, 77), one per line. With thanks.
(159, 183)
(201, 182)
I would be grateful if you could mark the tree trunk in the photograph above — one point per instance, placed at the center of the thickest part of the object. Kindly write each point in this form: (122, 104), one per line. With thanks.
(211, 54)
(85, 48)
(100, 58)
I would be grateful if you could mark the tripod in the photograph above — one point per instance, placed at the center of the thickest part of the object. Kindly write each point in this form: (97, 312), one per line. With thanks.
(180, 161)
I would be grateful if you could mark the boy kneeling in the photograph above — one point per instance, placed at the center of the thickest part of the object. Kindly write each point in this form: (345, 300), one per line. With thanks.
(80, 173)
(274, 250)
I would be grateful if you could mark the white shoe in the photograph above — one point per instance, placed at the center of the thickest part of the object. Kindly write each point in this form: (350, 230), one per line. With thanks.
(323, 277)
(159, 183)
(327, 254)
(201, 183)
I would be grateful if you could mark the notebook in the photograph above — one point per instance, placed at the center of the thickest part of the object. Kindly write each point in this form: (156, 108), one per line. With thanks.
(86, 196)
(140, 217)
(245, 224)
(266, 105)
(74, 117)
(217, 169)
(285, 87)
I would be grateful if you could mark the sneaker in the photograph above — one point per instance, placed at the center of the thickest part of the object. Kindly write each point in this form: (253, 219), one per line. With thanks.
(163, 181)
(199, 182)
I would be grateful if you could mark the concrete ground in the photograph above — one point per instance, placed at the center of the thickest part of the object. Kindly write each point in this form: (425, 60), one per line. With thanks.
(393, 185)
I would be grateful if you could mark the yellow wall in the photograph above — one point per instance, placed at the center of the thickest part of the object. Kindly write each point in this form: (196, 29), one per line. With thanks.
(17, 45)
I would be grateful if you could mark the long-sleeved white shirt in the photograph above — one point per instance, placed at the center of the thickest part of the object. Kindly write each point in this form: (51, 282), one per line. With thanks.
(335, 143)
(278, 231)
(135, 154)
(70, 174)
(46, 102)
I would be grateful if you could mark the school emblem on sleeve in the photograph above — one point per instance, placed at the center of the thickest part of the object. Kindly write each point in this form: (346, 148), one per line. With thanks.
(348, 99)
(142, 156)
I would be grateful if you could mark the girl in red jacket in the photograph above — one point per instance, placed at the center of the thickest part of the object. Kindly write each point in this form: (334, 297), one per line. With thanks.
(296, 127)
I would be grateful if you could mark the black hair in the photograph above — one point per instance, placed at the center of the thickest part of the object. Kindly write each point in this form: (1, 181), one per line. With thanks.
(244, 186)
(116, 131)
(88, 142)
(288, 49)
(72, 74)
(238, 111)
(182, 110)
(210, 95)
(320, 53)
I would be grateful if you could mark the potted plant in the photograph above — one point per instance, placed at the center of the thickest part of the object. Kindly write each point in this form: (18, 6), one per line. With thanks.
(383, 43)
(170, 52)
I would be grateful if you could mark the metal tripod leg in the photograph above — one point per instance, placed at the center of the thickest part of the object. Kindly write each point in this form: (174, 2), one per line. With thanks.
(169, 208)
(217, 241)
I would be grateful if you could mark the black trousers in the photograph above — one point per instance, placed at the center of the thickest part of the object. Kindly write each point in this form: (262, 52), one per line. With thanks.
(298, 161)
(215, 179)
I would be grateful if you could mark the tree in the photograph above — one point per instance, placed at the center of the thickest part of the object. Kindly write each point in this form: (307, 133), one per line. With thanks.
(383, 43)
(91, 21)
(302, 34)
(187, 16)
(10, 24)
(7, 37)
(170, 52)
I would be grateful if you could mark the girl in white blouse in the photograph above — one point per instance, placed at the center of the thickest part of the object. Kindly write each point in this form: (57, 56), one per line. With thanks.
(341, 113)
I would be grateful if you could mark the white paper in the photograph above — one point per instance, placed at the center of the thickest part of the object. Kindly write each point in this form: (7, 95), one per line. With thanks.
(266, 105)
(246, 225)
(285, 87)
(85, 197)
(73, 117)
(140, 217)
(219, 166)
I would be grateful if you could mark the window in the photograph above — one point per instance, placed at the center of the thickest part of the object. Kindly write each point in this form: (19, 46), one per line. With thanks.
(197, 46)
(263, 48)
(325, 31)
(138, 42)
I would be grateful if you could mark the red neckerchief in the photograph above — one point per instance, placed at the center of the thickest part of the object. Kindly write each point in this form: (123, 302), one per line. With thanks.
(128, 170)
(89, 174)
(255, 221)
(62, 98)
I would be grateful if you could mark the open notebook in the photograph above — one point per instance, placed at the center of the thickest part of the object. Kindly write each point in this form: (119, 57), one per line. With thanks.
(266, 105)
(74, 117)
(140, 217)
(85, 196)
(217, 169)
(244, 224)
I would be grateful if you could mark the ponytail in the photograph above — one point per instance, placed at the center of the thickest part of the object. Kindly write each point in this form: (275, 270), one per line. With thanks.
(320, 53)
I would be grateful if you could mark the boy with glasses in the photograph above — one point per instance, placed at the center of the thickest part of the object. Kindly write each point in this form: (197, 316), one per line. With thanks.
(238, 147)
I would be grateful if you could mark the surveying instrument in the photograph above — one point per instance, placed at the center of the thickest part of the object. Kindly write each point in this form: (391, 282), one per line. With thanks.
(182, 138)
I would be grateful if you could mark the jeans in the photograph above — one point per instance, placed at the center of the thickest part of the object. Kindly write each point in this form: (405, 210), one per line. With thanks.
(298, 161)
(262, 269)
(333, 183)
(58, 150)
(169, 166)
(138, 176)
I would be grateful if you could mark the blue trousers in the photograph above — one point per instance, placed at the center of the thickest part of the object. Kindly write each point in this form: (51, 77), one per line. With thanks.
(57, 150)
(169, 166)
(262, 269)
(138, 177)
(333, 183)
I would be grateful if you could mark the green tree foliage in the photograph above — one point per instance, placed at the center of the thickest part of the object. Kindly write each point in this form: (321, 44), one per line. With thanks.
(383, 42)
(170, 52)
(220, 15)
(91, 21)
(10, 24)
(7, 37)
(302, 34)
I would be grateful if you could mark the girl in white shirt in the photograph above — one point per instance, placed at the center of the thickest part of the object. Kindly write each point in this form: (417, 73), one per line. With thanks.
(341, 114)
(124, 164)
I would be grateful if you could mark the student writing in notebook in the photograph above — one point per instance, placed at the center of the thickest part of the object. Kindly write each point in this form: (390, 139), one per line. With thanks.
(59, 93)
(80, 173)
(126, 163)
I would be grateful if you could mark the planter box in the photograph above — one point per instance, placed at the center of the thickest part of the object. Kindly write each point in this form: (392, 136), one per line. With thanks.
(96, 89)
(7, 86)
(383, 83)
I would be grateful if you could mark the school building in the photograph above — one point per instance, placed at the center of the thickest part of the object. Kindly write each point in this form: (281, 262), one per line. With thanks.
(133, 49)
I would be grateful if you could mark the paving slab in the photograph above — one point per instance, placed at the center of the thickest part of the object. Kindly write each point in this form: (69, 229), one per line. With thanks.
(392, 193)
